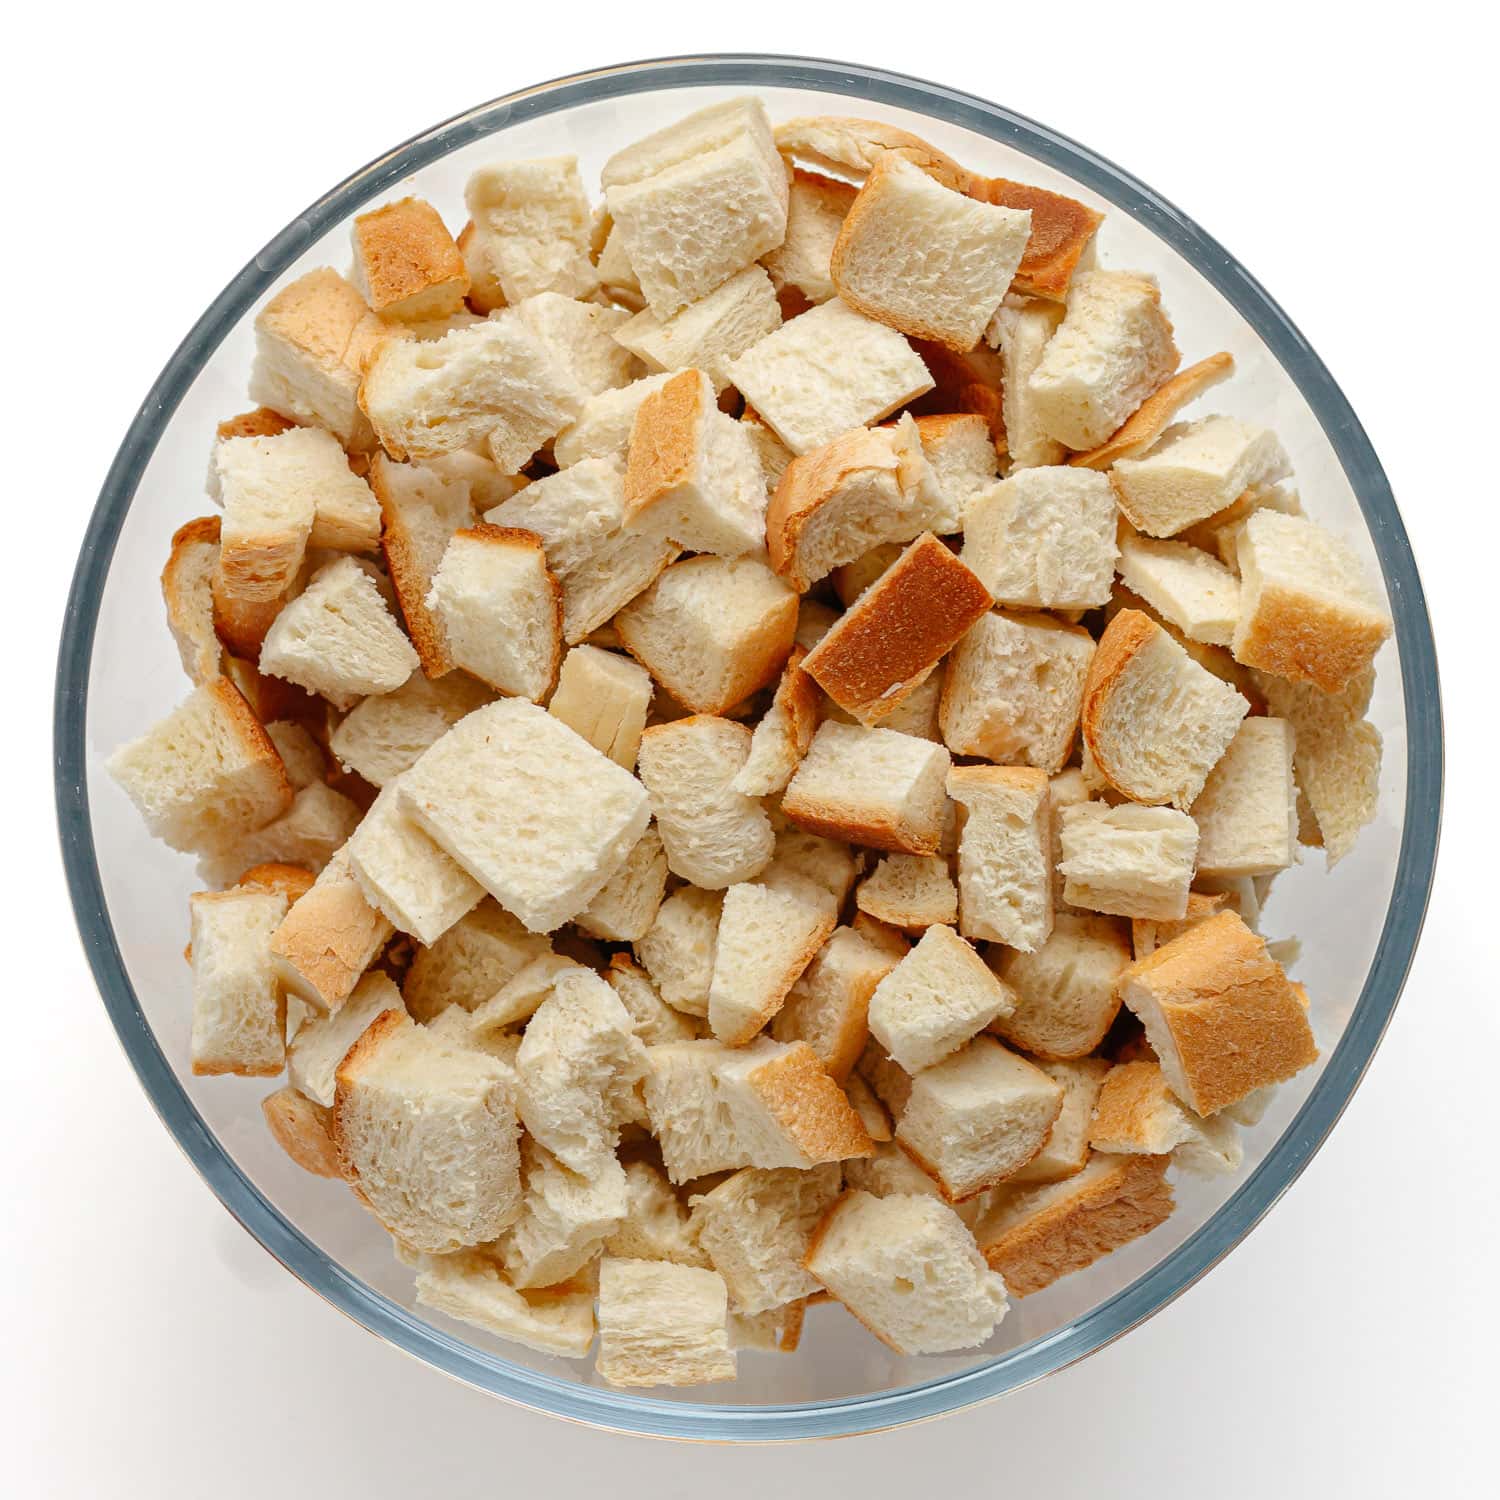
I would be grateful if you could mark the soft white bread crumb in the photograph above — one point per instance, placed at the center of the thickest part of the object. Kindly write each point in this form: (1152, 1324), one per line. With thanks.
(603, 426)
(626, 906)
(501, 610)
(1186, 587)
(529, 808)
(206, 774)
(1066, 1151)
(780, 739)
(714, 836)
(934, 1000)
(655, 1020)
(577, 1069)
(323, 1041)
(1065, 998)
(708, 333)
(829, 1005)
(470, 962)
(712, 630)
(678, 951)
(603, 696)
(1140, 678)
(656, 1225)
(662, 1324)
(1194, 470)
(961, 450)
(406, 265)
(385, 735)
(815, 213)
(427, 1132)
(1129, 861)
(925, 259)
(910, 891)
(828, 371)
(977, 1116)
(529, 232)
(906, 1267)
(1044, 538)
(472, 1288)
(756, 1228)
(1013, 690)
(1247, 811)
(1113, 348)
(713, 1108)
(583, 335)
(766, 938)
(239, 1010)
(1021, 330)
(565, 1218)
(1308, 609)
(330, 937)
(1004, 854)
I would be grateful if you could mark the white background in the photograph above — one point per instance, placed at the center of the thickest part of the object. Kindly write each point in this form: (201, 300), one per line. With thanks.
(149, 1347)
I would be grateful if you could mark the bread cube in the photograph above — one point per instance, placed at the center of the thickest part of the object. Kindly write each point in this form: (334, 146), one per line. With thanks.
(1308, 610)
(303, 1129)
(1020, 330)
(565, 1218)
(1220, 533)
(828, 1006)
(239, 1010)
(306, 835)
(895, 633)
(1154, 415)
(1113, 348)
(311, 342)
(1138, 1114)
(626, 907)
(1066, 1151)
(518, 999)
(678, 950)
(1065, 999)
(472, 1288)
(814, 215)
(406, 265)
(825, 372)
(662, 1324)
(692, 473)
(603, 696)
(1014, 688)
(906, 1267)
(1194, 470)
(1220, 1014)
(962, 453)
(655, 1020)
(501, 609)
(1129, 861)
(780, 739)
(1004, 854)
(1044, 538)
(329, 937)
(910, 891)
(187, 591)
(507, 770)
(322, 1041)
(1247, 811)
(871, 786)
(656, 1224)
(603, 426)
(584, 337)
(1186, 587)
(714, 836)
(384, 735)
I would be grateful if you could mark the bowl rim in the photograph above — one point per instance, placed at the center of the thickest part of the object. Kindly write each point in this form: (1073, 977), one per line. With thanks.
(617, 1410)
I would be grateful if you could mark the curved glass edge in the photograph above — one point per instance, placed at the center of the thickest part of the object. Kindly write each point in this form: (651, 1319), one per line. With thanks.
(1198, 1254)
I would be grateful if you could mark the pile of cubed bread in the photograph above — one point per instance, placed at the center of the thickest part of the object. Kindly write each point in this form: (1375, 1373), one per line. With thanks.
(737, 743)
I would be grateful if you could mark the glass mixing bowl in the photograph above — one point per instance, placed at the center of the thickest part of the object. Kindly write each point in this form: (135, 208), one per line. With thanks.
(118, 672)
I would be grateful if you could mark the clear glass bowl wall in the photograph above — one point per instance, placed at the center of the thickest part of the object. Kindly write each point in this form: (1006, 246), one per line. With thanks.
(119, 672)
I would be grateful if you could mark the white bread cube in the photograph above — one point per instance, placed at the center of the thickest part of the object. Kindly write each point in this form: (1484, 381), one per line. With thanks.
(1146, 424)
(712, 630)
(577, 1069)
(517, 1000)
(187, 591)
(307, 835)
(934, 1000)
(678, 951)
(756, 1228)
(1220, 533)
(714, 1108)
(656, 1225)
(774, 455)
(714, 836)
(925, 259)
(239, 1010)
(1113, 348)
(692, 472)
(888, 1080)
(474, 467)
(668, 195)
(603, 426)
(1308, 609)
(828, 863)
(814, 215)
(1128, 861)
(1186, 587)
(384, 735)
(304, 1130)
(579, 513)
(337, 638)
(583, 335)
(406, 265)
(330, 937)
(906, 1267)
(501, 609)
(655, 1020)
(891, 1173)
(1194, 470)
(1247, 811)
(1142, 682)
(1014, 688)
(206, 774)
(961, 450)
(829, 1005)
(603, 696)
(529, 808)
(910, 891)
(780, 739)
(1137, 1114)
(1065, 1000)
(1021, 330)
(871, 786)
(708, 333)
(1044, 538)
(877, 1123)
(1147, 936)
(311, 341)
(301, 755)
(472, 960)
(626, 906)
(472, 1288)
(321, 1042)
(1220, 1014)
(1066, 1151)
(529, 232)
(977, 1116)
(616, 275)
(565, 1218)
(1004, 854)
(778, 1331)
(828, 371)
(427, 1132)
(662, 1324)
(405, 875)
(766, 938)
